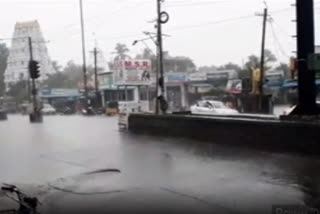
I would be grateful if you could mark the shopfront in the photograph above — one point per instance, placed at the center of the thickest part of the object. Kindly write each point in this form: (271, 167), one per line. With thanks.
(176, 91)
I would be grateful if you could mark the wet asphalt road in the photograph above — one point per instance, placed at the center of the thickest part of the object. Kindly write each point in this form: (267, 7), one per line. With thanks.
(238, 179)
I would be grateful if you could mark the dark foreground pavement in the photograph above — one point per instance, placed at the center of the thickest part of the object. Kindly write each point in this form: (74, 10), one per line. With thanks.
(52, 161)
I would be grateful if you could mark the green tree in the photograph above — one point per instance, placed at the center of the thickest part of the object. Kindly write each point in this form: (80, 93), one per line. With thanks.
(56, 66)
(178, 63)
(208, 68)
(68, 77)
(254, 63)
(4, 53)
(146, 54)
(19, 91)
(230, 66)
(121, 50)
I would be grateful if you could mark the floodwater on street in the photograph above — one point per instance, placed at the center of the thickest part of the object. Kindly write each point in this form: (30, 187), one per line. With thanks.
(65, 146)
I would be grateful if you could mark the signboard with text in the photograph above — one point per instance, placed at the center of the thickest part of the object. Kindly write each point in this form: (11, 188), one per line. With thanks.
(176, 78)
(198, 76)
(234, 86)
(58, 92)
(217, 76)
(132, 72)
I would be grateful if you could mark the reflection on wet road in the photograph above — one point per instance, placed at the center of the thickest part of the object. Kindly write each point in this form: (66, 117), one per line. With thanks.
(228, 176)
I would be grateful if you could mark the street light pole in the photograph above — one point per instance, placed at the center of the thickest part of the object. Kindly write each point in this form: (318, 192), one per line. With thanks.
(160, 98)
(84, 55)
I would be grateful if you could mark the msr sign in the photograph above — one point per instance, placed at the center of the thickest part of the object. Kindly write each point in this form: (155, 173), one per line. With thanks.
(132, 72)
(137, 64)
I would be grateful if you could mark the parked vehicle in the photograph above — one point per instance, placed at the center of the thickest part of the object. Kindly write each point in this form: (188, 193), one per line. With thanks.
(209, 107)
(112, 108)
(48, 109)
(3, 114)
(3, 110)
(88, 111)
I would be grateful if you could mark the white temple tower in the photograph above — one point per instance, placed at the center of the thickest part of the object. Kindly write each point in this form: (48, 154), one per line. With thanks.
(19, 56)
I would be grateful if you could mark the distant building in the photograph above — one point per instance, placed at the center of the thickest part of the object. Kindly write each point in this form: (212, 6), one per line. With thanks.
(275, 79)
(19, 56)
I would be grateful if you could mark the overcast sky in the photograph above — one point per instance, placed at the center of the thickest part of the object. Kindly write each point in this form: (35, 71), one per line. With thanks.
(211, 32)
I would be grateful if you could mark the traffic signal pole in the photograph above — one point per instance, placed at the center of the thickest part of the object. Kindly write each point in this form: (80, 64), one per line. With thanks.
(28, 77)
(33, 84)
(35, 116)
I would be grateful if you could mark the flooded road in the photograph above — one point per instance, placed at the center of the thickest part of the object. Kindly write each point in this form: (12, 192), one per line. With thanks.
(237, 179)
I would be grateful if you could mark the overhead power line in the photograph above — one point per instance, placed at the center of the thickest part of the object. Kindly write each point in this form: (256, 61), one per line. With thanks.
(277, 41)
(212, 23)
(184, 4)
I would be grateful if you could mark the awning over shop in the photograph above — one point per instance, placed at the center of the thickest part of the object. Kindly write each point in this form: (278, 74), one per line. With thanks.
(294, 84)
(201, 85)
(273, 86)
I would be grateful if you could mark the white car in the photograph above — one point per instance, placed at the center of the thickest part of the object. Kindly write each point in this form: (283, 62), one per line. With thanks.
(208, 107)
(48, 109)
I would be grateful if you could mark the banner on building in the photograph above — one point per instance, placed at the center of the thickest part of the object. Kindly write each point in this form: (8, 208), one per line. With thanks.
(234, 86)
(176, 78)
(217, 76)
(198, 76)
(132, 72)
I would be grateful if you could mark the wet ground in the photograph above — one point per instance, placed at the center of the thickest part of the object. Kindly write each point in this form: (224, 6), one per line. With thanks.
(233, 178)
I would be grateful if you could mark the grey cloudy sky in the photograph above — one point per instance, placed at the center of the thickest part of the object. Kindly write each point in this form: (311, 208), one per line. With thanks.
(208, 31)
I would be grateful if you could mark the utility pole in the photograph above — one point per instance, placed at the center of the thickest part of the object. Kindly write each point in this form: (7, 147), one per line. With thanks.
(95, 55)
(305, 46)
(84, 56)
(264, 26)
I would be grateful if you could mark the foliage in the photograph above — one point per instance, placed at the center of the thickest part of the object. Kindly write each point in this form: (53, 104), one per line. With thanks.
(121, 50)
(4, 53)
(171, 64)
(254, 61)
(19, 91)
(230, 66)
(146, 54)
(70, 76)
(179, 64)
(208, 68)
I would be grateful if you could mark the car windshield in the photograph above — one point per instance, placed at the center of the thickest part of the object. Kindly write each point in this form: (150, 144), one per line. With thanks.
(160, 106)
